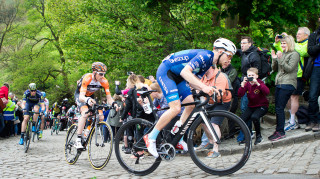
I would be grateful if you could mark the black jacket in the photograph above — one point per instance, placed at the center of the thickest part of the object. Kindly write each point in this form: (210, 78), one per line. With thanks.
(313, 44)
(132, 106)
(249, 58)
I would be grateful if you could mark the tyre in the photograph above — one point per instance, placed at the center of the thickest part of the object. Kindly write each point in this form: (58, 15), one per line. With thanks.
(232, 155)
(27, 137)
(134, 157)
(52, 130)
(70, 151)
(100, 143)
(58, 128)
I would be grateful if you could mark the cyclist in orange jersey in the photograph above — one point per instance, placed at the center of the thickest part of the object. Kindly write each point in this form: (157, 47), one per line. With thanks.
(87, 86)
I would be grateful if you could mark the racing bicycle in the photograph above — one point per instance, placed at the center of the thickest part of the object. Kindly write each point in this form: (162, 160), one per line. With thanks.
(99, 140)
(140, 162)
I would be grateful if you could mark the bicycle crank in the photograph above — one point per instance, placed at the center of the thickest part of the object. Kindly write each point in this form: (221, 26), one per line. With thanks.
(167, 152)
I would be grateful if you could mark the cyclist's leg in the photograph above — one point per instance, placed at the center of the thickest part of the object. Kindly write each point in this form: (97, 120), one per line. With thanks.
(36, 109)
(26, 116)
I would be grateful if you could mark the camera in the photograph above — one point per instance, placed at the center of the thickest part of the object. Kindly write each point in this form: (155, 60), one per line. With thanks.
(280, 36)
(250, 78)
(129, 73)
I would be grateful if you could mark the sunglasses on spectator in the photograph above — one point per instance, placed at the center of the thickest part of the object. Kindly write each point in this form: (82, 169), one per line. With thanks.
(228, 54)
(101, 74)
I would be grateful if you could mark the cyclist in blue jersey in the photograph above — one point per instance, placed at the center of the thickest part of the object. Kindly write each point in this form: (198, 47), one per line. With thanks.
(177, 72)
(31, 99)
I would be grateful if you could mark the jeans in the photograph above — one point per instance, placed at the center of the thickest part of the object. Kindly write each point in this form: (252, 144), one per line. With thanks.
(282, 95)
(243, 107)
(204, 139)
(1, 122)
(244, 103)
(313, 108)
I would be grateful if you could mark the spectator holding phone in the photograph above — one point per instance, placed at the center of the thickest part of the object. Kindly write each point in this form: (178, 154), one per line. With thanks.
(286, 64)
(302, 48)
(258, 104)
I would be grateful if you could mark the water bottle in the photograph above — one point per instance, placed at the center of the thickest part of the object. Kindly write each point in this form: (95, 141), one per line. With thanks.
(176, 127)
(85, 133)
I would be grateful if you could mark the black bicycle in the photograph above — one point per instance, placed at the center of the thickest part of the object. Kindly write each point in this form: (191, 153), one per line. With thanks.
(28, 133)
(99, 140)
(140, 162)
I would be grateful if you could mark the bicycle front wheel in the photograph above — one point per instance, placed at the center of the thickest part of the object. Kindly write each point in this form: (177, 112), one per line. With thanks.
(70, 151)
(27, 137)
(231, 156)
(131, 150)
(100, 143)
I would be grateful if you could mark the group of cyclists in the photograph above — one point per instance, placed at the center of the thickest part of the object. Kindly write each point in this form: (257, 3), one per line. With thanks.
(176, 75)
(35, 103)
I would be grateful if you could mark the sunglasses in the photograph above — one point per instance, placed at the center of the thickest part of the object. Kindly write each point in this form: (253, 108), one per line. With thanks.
(228, 54)
(101, 74)
(33, 90)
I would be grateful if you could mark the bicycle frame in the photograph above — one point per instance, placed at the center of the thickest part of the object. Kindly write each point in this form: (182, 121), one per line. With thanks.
(198, 111)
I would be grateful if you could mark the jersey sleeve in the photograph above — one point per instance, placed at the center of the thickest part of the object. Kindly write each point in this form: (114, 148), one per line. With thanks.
(105, 85)
(25, 95)
(39, 95)
(85, 82)
(201, 63)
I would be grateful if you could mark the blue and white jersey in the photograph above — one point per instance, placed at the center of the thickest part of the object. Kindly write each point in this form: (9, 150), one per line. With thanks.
(200, 60)
(32, 99)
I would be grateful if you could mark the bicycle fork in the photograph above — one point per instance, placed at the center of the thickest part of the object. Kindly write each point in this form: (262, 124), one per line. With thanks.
(210, 128)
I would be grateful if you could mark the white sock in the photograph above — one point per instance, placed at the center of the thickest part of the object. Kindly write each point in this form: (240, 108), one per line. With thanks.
(292, 121)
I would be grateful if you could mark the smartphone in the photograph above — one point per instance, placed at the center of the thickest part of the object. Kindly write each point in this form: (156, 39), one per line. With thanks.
(250, 78)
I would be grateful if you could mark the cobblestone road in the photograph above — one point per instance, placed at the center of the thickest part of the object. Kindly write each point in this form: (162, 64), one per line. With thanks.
(45, 159)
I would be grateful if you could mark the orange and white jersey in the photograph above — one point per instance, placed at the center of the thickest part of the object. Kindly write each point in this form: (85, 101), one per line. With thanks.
(88, 85)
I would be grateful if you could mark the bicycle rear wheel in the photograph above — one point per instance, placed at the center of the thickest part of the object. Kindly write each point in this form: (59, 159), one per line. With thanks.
(27, 137)
(70, 151)
(100, 143)
(131, 150)
(232, 155)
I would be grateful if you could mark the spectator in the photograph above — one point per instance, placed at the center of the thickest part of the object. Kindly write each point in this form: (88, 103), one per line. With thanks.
(301, 47)
(115, 121)
(313, 109)
(8, 114)
(214, 77)
(4, 91)
(152, 79)
(249, 58)
(286, 64)
(258, 105)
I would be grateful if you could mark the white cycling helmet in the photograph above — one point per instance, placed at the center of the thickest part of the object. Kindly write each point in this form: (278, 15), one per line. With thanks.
(225, 44)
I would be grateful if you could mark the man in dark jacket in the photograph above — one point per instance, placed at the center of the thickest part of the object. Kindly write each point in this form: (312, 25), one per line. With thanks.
(249, 58)
(313, 109)
(249, 55)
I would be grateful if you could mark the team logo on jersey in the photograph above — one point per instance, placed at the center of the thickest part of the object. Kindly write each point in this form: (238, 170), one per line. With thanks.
(163, 85)
(209, 55)
(177, 59)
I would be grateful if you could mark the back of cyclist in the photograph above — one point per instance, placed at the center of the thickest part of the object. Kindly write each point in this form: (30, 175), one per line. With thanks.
(174, 75)
(45, 111)
(31, 99)
(87, 86)
(71, 112)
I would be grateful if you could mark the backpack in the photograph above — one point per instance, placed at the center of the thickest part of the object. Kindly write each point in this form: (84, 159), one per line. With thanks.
(302, 115)
(265, 59)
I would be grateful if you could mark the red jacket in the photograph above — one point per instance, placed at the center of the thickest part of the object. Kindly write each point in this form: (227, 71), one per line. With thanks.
(4, 91)
(256, 94)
